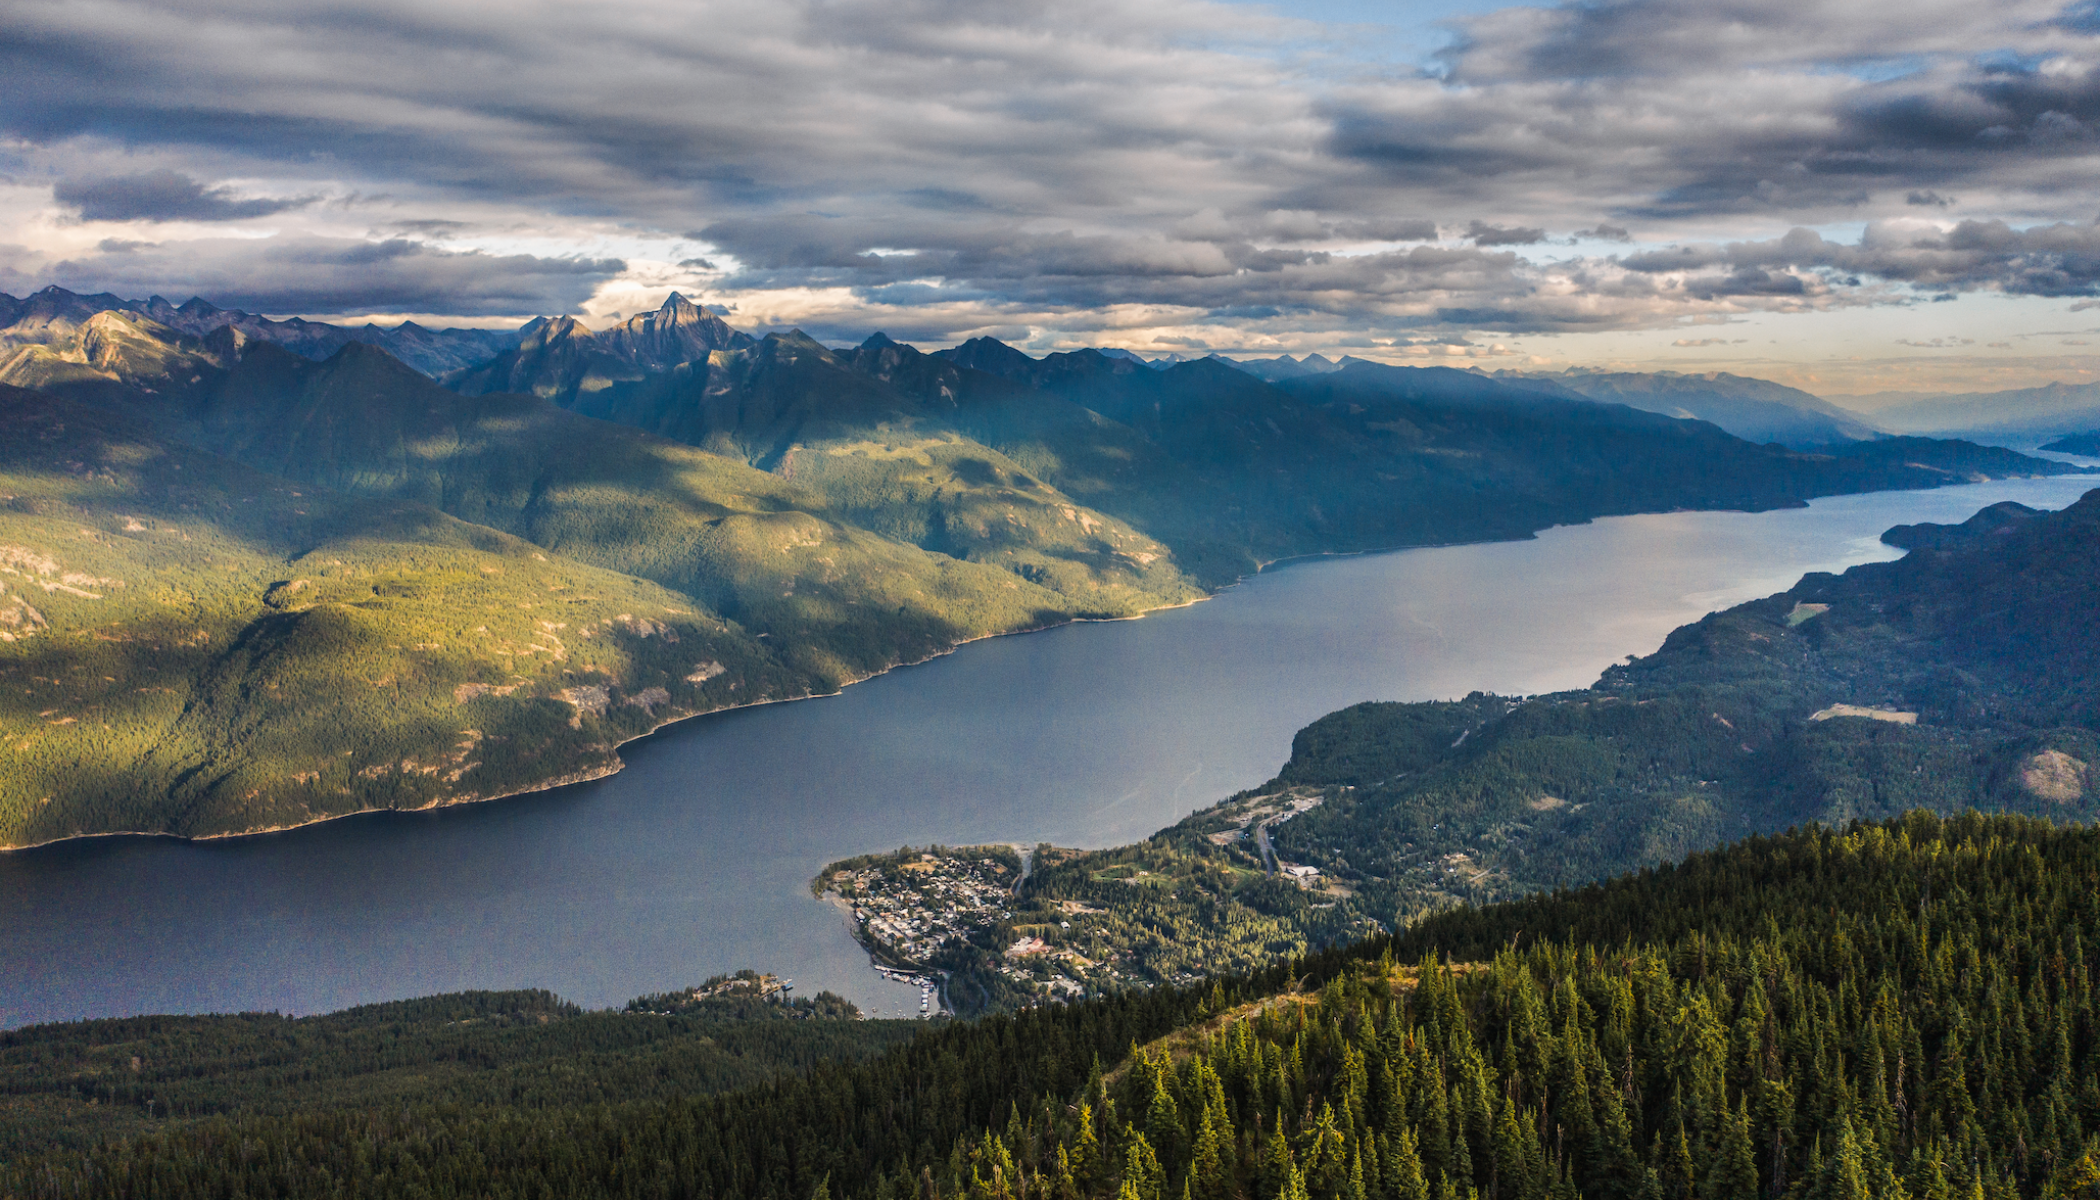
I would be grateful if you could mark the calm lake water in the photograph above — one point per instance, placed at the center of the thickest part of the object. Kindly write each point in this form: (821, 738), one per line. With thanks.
(696, 859)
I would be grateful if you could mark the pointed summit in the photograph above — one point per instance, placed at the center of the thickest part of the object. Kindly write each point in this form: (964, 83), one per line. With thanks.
(678, 332)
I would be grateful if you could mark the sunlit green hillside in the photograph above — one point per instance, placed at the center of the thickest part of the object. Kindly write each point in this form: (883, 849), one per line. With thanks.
(188, 645)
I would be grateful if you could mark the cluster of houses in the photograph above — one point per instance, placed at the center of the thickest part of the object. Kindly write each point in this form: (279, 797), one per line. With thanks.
(921, 906)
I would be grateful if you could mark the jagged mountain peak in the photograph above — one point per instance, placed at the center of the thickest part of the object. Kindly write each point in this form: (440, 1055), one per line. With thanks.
(557, 356)
(679, 331)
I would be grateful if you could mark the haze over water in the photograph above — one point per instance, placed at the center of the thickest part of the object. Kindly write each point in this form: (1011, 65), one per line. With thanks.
(696, 859)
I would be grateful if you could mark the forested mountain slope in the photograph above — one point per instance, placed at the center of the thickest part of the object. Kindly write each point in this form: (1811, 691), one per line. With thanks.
(1902, 1011)
(192, 646)
(1228, 471)
(82, 1082)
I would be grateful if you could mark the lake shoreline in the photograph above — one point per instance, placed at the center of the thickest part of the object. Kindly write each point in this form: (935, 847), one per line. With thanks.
(698, 857)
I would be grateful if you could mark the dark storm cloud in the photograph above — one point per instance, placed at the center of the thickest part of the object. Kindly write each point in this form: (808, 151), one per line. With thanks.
(161, 195)
(322, 276)
(1069, 156)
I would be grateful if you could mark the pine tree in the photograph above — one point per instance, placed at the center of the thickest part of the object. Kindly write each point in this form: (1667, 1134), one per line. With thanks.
(1141, 1167)
(2078, 1179)
(1278, 1168)
(1207, 1164)
(1732, 1175)
(1085, 1165)
(1405, 1180)
(1845, 1174)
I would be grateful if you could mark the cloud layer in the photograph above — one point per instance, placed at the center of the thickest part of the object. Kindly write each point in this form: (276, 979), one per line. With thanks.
(1196, 170)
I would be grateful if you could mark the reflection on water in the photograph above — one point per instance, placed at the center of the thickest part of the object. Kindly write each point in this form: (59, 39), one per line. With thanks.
(696, 859)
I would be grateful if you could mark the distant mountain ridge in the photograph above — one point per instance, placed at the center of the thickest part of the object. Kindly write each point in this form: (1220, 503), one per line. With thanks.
(2025, 415)
(1754, 409)
(54, 314)
(1285, 367)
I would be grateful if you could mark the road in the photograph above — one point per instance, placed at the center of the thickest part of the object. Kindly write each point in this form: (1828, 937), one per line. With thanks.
(1268, 853)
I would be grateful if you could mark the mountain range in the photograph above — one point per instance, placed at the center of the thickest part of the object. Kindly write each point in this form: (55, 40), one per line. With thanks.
(54, 317)
(245, 589)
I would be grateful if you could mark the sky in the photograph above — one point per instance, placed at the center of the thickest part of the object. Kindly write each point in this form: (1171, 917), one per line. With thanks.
(1857, 197)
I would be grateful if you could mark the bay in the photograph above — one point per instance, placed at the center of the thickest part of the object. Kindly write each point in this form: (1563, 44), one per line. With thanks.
(696, 859)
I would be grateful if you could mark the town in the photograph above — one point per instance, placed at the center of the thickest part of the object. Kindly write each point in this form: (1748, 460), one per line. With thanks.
(925, 914)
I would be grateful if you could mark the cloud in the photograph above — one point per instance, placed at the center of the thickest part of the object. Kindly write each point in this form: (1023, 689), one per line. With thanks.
(161, 195)
(337, 275)
(1483, 234)
(960, 164)
(2061, 259)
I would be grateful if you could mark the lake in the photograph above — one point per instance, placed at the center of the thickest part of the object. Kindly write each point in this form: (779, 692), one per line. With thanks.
(696, 859)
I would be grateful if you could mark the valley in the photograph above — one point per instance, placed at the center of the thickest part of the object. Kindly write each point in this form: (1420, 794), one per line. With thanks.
(697, 857)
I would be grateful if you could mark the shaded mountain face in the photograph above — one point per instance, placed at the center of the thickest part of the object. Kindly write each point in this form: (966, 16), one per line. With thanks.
(1993, 522)
(1756, 410)
(559, 359)
(55, 314)
(1230, 471)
